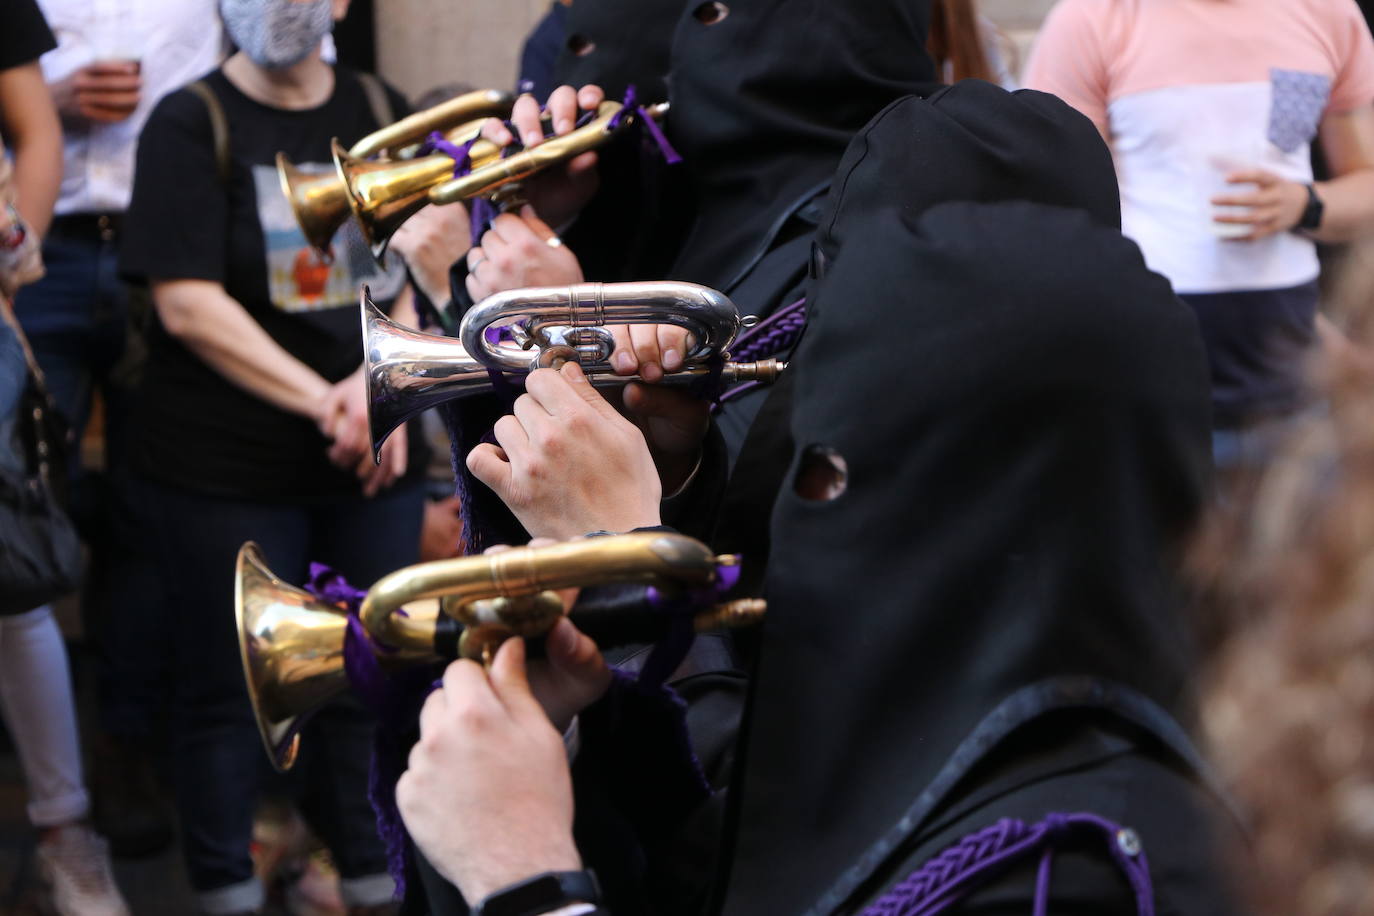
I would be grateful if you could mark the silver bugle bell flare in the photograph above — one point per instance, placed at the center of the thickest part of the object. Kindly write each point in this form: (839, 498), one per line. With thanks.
(408, 371)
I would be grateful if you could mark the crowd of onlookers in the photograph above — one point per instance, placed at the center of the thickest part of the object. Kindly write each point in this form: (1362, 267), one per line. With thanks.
(175, 307)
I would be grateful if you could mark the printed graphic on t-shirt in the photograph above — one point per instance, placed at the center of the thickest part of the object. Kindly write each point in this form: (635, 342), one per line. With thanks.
(298, 279)
(1299, 100)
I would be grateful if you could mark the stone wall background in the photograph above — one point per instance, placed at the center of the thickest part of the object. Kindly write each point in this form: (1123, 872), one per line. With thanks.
(423, 43)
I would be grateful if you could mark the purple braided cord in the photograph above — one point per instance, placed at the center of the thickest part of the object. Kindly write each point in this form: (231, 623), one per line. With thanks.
(774, 334)
(959, 869)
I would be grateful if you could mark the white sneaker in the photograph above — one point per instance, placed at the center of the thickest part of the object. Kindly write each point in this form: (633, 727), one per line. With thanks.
(75, 863)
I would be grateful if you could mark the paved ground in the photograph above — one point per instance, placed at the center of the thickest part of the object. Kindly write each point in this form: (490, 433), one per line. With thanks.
(153, 887)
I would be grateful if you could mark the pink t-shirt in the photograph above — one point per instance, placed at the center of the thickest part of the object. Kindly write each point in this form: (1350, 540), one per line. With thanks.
(1189, 90)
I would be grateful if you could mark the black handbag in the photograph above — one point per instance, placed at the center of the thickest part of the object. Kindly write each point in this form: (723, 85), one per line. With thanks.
(40, 553)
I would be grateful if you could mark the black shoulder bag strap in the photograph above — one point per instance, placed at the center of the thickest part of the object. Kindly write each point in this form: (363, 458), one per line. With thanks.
(377, 99)
(219, 126)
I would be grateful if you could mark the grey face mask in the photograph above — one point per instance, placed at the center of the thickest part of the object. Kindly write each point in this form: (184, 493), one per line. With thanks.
(277, 33)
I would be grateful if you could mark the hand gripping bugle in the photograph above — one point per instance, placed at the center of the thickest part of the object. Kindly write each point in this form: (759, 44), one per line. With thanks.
(408, 371)
(292, 644)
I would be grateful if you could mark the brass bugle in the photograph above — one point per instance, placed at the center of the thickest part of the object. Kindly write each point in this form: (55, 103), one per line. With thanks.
(485, 181)
(320, 201)
(407, 371)
(292, 644)
(393, 139)
(384, 198)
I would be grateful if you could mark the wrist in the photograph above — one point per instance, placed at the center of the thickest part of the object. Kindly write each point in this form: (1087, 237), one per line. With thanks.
(486, 883)
(1312, 209)
(541, 894)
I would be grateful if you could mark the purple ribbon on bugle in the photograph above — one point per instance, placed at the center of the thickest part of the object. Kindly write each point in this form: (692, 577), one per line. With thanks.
(461, 154)
(631, 104)
(669, 651)
(360, 649)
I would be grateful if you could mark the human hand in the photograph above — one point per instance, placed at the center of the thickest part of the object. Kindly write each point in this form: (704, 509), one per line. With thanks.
(572, 675)
(515, 253)
(430, 242)
(649, 349)
(674, 423)
(566, 462)
(1276, 205)
(559, 193)
(342, 418)
(487, 796)
(395, 458)
(105, 91)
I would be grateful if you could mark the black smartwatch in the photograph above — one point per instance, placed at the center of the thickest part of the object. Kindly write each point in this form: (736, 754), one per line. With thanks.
(542, 894)
(1312, 216)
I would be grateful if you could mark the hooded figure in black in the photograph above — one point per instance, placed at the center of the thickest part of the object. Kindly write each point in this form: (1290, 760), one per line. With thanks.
(973, 142)
(1002, 434)
(766, 95)
(973, 614)
(638, 217)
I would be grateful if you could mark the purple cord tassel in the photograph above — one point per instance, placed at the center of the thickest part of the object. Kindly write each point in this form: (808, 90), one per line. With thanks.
(961, 868)
(391, 700)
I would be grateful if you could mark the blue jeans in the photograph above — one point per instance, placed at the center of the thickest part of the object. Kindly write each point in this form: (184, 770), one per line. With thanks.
(220, 765)
(13, 376)
(76, 319)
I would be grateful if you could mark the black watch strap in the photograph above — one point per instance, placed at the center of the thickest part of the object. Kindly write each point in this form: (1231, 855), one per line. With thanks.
(542, 894)
(1312, 216)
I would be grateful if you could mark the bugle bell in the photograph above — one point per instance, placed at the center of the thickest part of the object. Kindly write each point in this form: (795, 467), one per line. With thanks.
(320, 200)
(407, 371)
(292, 644)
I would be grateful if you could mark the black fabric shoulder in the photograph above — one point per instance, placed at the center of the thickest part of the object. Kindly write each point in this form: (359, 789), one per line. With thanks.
(24, 34)
(178, 216)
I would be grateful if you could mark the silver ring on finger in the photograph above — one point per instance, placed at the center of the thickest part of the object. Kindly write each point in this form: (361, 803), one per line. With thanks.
(553, 241)
(472, 265)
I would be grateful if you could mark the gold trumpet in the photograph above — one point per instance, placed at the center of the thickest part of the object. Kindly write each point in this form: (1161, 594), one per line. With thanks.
(292, 644)
(320, 201)
(408, 371)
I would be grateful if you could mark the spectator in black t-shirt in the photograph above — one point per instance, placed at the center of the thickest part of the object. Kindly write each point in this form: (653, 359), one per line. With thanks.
(253, 425)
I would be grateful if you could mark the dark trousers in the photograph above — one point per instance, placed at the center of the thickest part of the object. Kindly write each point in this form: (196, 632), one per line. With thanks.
(220, 764)
(77, 320)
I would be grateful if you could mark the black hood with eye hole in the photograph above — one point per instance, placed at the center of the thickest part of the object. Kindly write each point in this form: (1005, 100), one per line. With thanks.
(618, 43)
(765, 100)
(1022, 408)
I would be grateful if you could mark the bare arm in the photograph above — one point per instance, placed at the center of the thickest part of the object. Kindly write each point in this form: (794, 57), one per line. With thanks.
(220, 331)
(1348, 143)
(35, 135)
